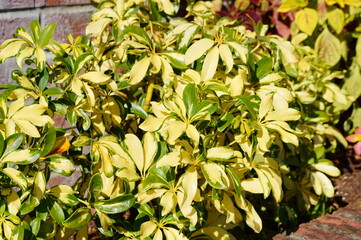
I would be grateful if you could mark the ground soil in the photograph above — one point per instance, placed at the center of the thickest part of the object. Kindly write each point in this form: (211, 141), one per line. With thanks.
(348, 184)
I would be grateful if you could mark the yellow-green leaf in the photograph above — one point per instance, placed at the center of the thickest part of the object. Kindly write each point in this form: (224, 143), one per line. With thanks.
(306, 20)
(17, 177)
(336, 19)
(78, 219)
(328, 48)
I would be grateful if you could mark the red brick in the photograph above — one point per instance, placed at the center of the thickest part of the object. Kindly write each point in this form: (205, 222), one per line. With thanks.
(6, 69)
(69, 20)
(12, 4)
(309, 231)
(352, 212)
(9, 22)
(51, 3)
(340, 225)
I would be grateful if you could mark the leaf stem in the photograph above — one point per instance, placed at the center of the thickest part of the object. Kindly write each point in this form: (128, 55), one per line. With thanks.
(149, 94)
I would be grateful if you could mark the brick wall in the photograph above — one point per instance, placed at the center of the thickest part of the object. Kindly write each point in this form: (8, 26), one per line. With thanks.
(71, 17)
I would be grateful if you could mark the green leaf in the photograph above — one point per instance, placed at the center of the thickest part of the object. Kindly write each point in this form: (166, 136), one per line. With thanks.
(306, 20)
(224, 121)
(328, 48)
(2, 144)
(87, 121)
(139, 34)
(13, 142)
(235, 180)
(56, 212)
(53, 91)
(49, 141)
(263, 67)
(71, 117)
(78, 219)
(29, 205)
(18, 233)
(95, 184)
(43, 80)
(116, 205)
(176, 59)
(36, 225)
(138, 110)
(46, 34)
(35, 30)
(190, 98)
(250, 104)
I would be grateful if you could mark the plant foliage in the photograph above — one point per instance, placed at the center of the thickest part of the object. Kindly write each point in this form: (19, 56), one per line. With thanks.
(173, 127)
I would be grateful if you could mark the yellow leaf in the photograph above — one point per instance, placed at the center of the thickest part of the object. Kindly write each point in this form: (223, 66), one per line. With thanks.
(27, 128)
(40, 57)
(98, 26)
(289, 5)
(147, 228)
(306, 20)
(252, 185)
(135, 150)
(175, 130)
(151, 124)
(237, 83)
(24, 53)
(193, 134)
(214, 232)
(39, 185)
(241, 50)
(328, 169)
(210, 64)
(197, 49)
(189, 183)
(226, 56)
(156, 62)
(316, 183)
(288, 114)
(171, 159)
(168, 202)
(139, 70)
(13, 202)
(150, 145)
(286, 136)
(287, 50)
(11, 48)
(327, 187)
(220, 153)
(96, 77)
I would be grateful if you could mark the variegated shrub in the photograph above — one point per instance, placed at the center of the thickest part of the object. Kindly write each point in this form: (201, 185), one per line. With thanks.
(178, 128)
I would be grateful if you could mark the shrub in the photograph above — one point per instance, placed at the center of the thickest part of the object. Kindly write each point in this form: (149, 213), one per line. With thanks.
(179, 127)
